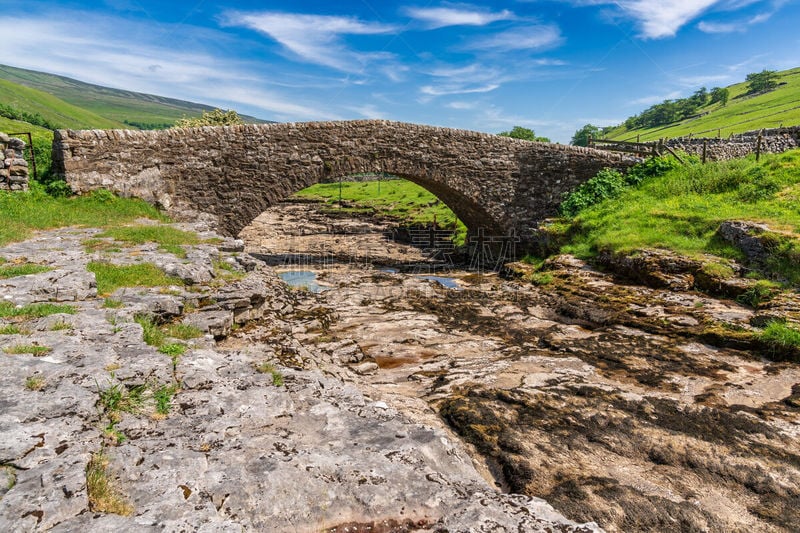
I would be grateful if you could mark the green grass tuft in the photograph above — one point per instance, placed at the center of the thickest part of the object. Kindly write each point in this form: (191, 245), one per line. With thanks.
(173, 349)
(13, 271)
(152, 334)
(111, 277)
(780, 335)
(183, 331)
(9, 310)
(34, 349)
(168, 238)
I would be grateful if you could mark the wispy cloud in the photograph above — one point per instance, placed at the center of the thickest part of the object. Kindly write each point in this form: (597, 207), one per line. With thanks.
(131, 63)
(741, 25)
(535, 37)
(469, 79)
(314, 38)
(656, 19)
(460, 15)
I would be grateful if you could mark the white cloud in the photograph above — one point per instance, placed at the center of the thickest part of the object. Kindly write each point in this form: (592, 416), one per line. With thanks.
(469, 79)
(536, 37)
(314, 38)
(99, 51)
(656, 19)
(440, 17)
(719, 27)
(740, 25)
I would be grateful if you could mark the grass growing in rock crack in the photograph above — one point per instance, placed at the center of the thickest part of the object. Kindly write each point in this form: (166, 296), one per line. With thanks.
(168, 238)
(268, 368)
(11, 329)
(24, 212)
(226, 271)
(110, 303)
(34, 349)
(163, 396)
(61, 325)
(183, 331)
(112, 277)
(9, 310)
(151, 333)
(34, 383)
(118, 398)
(103, 496)
(13, 271)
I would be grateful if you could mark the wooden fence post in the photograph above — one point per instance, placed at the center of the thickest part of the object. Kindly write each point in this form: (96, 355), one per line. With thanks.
(705, 149)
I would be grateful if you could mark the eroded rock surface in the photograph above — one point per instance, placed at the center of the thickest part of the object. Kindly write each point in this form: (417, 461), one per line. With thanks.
(261, 432)
(641, 408)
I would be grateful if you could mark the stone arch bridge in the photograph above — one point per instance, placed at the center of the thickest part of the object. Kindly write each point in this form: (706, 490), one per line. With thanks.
(493, 183)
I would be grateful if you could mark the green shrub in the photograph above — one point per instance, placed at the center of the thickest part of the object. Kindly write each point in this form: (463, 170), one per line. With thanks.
(608, 183)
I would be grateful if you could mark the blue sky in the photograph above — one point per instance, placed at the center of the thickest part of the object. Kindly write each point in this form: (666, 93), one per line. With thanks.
(548, 65)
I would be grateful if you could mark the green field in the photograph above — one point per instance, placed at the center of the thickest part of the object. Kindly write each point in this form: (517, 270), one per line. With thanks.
(397, 199)
(742, 113)
(102, 107)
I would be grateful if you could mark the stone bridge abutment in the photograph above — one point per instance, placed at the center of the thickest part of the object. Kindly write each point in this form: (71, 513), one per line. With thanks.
(236, 172)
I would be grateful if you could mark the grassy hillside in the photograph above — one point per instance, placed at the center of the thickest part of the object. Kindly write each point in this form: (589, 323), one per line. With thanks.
(741, 113)
(681, 207)
(123, 108)
(53, 109)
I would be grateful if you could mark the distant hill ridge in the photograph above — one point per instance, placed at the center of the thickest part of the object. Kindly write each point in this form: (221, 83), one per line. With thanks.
(70, 103)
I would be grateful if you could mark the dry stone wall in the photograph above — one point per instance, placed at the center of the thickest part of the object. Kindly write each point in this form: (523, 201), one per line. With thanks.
(235, 172)
(774, 141)
(14, 168)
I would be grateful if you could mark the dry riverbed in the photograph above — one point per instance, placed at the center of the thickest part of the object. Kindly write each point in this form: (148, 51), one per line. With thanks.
(401, 394)
(616, 403)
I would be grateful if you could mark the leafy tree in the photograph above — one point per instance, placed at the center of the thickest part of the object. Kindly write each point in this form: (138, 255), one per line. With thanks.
(216, 117)
(581, 137)
(526, 134)
(758, 82)
(719, 95)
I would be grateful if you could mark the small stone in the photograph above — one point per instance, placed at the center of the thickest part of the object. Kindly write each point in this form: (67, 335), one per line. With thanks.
(365, 368)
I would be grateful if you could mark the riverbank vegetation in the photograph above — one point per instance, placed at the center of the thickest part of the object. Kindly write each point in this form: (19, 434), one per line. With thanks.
(662, 204)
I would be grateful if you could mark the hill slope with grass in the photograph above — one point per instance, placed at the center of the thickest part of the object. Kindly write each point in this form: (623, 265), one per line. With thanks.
(55, 111)
(741, 113)
(116, 108)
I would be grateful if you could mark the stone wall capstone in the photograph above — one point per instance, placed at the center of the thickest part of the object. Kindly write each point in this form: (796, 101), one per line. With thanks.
(773, 141)
(14, 169)
(493, 183)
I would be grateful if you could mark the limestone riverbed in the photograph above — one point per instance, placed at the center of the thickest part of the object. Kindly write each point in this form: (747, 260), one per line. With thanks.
(581, 404)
